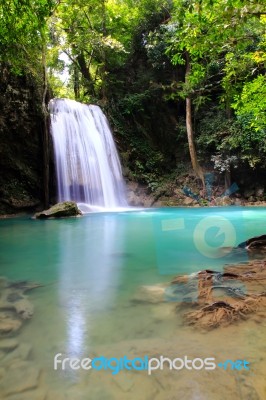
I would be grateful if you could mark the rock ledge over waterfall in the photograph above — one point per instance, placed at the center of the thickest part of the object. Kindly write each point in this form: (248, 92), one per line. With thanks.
(59, 210)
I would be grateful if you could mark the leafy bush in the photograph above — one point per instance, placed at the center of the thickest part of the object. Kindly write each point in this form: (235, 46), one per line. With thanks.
(231, 138)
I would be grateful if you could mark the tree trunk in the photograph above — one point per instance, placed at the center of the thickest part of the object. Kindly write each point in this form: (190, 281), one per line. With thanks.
(190, 134)
(103, 50)
(46, 142)
(76, 82)
(85, 72)
(227, 179)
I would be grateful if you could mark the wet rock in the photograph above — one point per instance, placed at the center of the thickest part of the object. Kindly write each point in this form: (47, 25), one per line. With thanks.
(139, 195)
(178, 192)
(14, 299)
(8, 322)
(77, 393)
(248, 391)
(131, 185)
(131, 197)
(188, 201)
(24, 308)
(150, 294)
(55, 395)
(23, 286)
(64, 209)
(239, 202)
(257, 242)
(157, 203)
(19, 380)
(223, 201)
(22, 352)
(8, 344)
(163, 312)
(38, 394)
(148, 201)
(2, 373)
(123, 381)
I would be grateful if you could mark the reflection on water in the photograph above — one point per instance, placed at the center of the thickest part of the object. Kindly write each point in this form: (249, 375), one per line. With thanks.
(88, 276)
(92, 268)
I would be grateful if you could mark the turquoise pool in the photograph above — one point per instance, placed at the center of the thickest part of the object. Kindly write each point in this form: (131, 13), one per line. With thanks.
(91, 269)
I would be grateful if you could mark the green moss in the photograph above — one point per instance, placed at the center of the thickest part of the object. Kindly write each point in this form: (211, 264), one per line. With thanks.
(59, 210)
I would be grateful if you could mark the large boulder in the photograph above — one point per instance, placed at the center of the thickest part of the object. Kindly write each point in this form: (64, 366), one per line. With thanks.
(59, 210)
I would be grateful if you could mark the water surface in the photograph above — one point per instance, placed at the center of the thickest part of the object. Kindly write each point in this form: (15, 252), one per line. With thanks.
(92, 267)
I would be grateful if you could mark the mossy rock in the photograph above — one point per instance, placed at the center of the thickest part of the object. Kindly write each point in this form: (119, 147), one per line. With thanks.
(59, 210)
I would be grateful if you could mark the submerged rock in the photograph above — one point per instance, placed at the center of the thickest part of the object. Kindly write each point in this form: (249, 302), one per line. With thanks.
(38, 394)
(20, 353)
(8, 322)
(24, 308)
(20, 380)
(13, 298)
(24, 286)
(8, 344)
(59, 210)
(14, 305)
(150, 294)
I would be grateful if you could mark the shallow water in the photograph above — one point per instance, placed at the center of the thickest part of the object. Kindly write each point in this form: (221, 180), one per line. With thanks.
(92, 268)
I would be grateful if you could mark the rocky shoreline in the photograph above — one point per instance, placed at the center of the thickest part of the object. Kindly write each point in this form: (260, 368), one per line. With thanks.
(148, 202)
(171, 195)
(18, 373)
(183, 193)
(210, 299)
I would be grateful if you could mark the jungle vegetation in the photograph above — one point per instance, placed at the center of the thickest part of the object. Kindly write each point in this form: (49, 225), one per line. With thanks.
(181, 80)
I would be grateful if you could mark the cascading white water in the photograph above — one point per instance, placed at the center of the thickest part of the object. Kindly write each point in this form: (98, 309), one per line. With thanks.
(87, 163)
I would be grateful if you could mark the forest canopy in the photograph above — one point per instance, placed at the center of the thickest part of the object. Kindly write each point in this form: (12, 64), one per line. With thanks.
(200, 64)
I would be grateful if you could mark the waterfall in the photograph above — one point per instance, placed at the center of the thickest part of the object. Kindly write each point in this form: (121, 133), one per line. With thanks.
(88, 168)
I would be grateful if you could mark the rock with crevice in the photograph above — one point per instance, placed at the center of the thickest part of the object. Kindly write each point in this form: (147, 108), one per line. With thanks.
(12, 297)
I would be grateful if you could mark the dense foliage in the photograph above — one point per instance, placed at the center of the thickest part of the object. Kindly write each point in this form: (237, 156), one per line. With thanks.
(23, 32)
(146, 62)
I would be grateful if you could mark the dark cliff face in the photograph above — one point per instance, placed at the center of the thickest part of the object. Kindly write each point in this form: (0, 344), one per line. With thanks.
(21, 158)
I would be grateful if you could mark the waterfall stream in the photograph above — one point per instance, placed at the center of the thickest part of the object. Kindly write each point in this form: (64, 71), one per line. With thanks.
(88, 168)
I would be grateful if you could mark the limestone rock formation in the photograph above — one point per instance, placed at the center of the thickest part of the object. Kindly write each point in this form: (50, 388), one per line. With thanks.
(59, 210)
